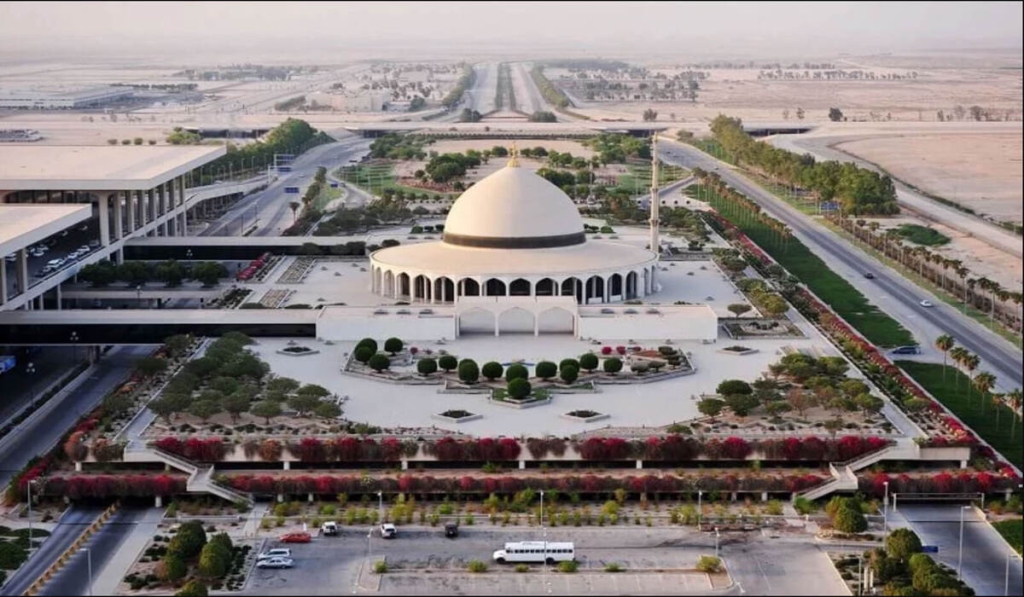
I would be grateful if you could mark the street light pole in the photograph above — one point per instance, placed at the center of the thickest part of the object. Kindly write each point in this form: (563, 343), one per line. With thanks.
(1009, 557)
(885, 514)
(960, 558)
(699, 495)
(716, 542)
(380, 506)
(88, 555)
(30, 369)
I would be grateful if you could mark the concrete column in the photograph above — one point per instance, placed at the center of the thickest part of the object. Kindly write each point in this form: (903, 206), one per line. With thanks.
(536, 325)
(496, 321)
(145, 203)
(104, 220)
(444, 290)
(3, 283)
(557, 287)
(508, 287)
(158, 502)
(764, 496)
(59, 298)
(78, 467)
(161, 209)
(522, 465)
(607, 289)
(287, 465)
(183, 230)
(405, 464)
(639, 463)
(118, 217)
(129, 197)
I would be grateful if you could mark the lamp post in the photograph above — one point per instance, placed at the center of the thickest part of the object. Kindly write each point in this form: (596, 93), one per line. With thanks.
(74, 342)
(960, 558)
(885, 511)
(88, 555)
(380, 506)
(700, 494)
(716, 542)
(30, 369)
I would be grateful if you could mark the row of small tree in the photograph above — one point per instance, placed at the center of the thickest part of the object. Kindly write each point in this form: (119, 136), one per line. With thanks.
(137, 273)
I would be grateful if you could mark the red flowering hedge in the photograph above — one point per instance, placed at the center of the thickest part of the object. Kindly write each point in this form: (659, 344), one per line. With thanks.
(200, 450)
(944, 482)
(108, 486)
(448, 449)
(426, 484)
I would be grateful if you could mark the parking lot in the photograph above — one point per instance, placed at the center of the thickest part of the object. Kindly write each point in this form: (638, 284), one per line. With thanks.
(59, 246)
(656, 561)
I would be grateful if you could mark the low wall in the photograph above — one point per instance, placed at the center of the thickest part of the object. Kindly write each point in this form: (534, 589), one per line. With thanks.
(341, 324)
(680, 322)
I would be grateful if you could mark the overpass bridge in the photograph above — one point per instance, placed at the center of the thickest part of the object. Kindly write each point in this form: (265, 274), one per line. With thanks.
(149, 326)
(239, 247)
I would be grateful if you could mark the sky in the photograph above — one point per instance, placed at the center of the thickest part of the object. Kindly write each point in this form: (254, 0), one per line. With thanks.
(321, 29)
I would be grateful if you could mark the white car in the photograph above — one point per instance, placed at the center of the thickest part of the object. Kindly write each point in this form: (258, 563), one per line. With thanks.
(279, 562)
(277, 552)
(927, 303)
(84, 249)
(388, 531)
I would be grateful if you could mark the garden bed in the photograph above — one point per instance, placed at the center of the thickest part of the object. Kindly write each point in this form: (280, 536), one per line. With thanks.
(585, 416)
(297, 351)
(456, 416)
(737, 350)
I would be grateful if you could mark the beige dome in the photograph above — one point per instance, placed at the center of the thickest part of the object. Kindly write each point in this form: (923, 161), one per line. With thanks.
(514, 208)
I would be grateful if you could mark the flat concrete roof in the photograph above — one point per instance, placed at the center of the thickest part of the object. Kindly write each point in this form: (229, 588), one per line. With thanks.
(98, 167)
(23, 225)
(235, 241)
(160, 316)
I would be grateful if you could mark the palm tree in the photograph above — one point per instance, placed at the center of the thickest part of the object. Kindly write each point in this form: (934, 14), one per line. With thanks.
(945, 342)
(295, 207)
(971, 362)
(1013, 399)
(984, 382)
(958, 354)
(998, 400)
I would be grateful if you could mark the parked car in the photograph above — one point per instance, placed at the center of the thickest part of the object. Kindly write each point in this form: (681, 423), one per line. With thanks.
(296, 538)
(277, 552)
(276, 563)
(451, 529)
(907, 350)
(388, 531)
(94, 243)
(84, 249)
(329, 529)
(869, 275)
(926, 303)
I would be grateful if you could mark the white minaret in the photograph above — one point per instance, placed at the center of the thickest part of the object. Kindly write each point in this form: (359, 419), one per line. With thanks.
(655, 199)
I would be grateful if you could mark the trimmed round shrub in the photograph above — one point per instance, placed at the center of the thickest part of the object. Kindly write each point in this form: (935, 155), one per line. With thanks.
(569, 363)
(364, 353)
(493, 370)
(612, 365)
(519, 388)
(426, 366)
(448, 363)
(469, 371)
(393, 345)
(569, 374)
(902, 544)
(655, 364)
(516, 371)
(368, 342)
(639, 367)
(606, 350)
(546, 370)
(188, 541)
(849, 520)
(379, 362)
(589, 362)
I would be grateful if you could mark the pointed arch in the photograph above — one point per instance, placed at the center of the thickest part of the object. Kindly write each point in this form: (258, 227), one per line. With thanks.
(388, 288)
(631, 282)
(594, 289)
(545, 287)
(615, 286)
(520, 287)
(470, 287)
(516, 321)
(555, 320)
(495, 287)
(477, 321)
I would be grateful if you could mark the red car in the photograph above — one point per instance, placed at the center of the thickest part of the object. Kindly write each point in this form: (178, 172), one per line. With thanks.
(296, 538)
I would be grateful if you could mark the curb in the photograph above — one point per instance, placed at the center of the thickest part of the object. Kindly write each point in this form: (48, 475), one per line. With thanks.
(46, 407)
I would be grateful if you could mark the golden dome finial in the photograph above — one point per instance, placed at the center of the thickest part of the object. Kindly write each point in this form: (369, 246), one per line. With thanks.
(513, 157)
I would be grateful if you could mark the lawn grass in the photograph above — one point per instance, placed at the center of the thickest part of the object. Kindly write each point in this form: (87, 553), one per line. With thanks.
(830, 287)
(1013, 531)
(375, 178)
(637, 179)
(1000, 428)
(922, 235)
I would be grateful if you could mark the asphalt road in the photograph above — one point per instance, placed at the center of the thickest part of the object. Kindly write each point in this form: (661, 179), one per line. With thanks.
(74, 238)
(984, 551)
(485, 87)
(269, 207)
(70, 526)
(17, 387)
(897, 296)
(73, 578)
(46, 430)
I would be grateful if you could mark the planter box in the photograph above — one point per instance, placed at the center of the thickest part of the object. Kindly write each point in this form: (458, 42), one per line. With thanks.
(444, 419)
(597, 417)
(737, 353)
(298, 354)
(520, 406)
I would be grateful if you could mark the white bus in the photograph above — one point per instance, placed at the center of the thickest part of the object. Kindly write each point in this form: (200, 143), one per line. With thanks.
(536, 551)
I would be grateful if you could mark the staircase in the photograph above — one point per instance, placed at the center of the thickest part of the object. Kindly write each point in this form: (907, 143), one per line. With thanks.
(844, 476)
(199, 479)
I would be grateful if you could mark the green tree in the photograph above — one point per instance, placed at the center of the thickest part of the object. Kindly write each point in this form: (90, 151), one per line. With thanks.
(849, 520)
(188, 541)
(214, 560)
(448, 363)
(379, 362)
(516, 371)
(741, 404)
(902, 543)
(427, 366)
(170, 273)
(177, 344)
(738, 309)
(170, 404)
(151, 366)
(364, 353)
(98, 274)
(209, 273)
(193, 588)
(393, 345)
(134, 273)
(327, 410)
(204, 409)
(313, 390)
(469, 371)
(568, 374)
(546, 370)
(612, 365)
(492, 370)
(945, 343)
(519, 388)
(173, 568)
(710, 407)
(235, 404)
(368, 342)
(868, 403)
(773, 305)
(835, 114)
(268, 409)
(588, 362)
(304, 403)
(733, 386)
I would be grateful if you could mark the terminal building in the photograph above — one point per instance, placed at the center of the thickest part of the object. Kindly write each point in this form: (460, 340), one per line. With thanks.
(62, 99)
